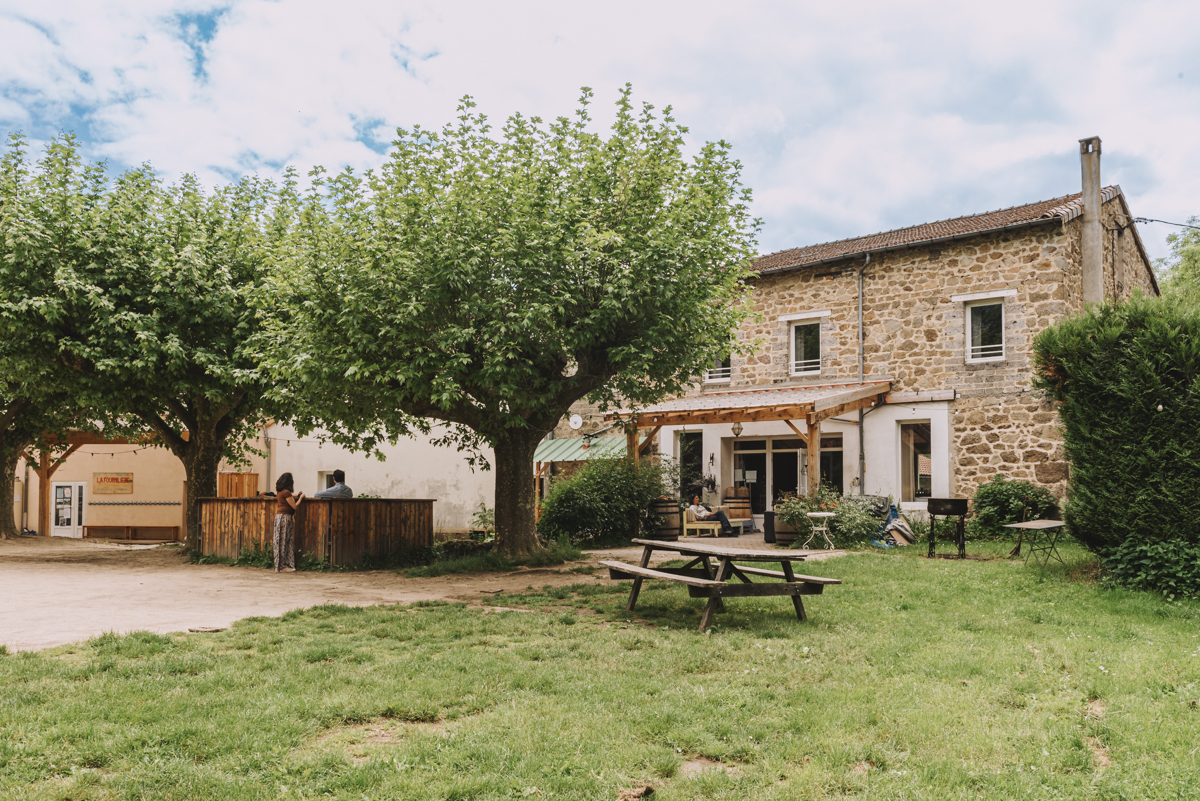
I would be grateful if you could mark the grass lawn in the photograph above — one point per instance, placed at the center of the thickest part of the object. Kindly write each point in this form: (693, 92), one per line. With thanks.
(915, 679)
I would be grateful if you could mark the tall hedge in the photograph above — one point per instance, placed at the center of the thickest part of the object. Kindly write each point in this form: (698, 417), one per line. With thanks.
(1128, 379)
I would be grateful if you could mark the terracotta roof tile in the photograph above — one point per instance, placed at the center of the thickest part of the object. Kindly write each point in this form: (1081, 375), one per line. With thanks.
(1065, 208)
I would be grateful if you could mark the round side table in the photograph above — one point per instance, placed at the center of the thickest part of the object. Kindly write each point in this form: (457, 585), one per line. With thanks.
(820, 526)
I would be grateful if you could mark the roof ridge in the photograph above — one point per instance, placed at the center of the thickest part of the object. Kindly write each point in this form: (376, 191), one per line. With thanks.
(1066, 207)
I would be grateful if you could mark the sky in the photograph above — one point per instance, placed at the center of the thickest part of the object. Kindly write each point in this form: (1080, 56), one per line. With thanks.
(849, 118)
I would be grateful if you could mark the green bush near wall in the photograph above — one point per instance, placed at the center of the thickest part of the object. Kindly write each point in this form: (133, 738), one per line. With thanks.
(1001, 501)
(607, 501)
(1128, 379)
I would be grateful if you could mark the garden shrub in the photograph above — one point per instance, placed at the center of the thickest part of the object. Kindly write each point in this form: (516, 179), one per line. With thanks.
(855, 519)
(1127, 378)
(606, 501)
(1003, 500)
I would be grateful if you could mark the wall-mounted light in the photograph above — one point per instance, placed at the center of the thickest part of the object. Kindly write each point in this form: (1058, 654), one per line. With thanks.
(737, 429)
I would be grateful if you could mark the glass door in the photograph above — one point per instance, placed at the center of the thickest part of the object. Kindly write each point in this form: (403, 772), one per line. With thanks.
(831, 462)
(785, 469)
(750, 470)
(67, 513)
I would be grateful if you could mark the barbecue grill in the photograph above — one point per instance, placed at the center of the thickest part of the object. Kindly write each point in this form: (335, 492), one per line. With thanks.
(948, 508)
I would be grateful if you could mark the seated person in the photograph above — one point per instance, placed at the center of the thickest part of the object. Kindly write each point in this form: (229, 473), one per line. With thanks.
(339, 488)
(705, 514)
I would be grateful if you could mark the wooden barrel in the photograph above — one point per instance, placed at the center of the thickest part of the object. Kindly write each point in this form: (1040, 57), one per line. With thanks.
(737, 508)
(785, 535)
(669, 521)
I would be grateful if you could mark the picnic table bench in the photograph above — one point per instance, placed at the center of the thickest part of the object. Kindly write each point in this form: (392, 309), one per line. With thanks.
(703, 580)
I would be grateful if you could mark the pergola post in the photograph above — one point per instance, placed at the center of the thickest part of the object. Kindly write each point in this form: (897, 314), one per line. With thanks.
(632, 441)
(814, 455)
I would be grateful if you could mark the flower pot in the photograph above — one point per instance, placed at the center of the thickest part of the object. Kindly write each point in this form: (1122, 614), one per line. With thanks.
(785, 534)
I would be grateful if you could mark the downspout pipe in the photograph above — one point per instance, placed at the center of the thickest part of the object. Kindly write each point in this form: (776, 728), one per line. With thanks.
(862, 453)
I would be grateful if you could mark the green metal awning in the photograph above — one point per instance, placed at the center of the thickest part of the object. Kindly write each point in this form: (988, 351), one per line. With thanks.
(572, 450)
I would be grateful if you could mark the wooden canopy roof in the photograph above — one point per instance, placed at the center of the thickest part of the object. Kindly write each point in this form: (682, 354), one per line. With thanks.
(810, 404)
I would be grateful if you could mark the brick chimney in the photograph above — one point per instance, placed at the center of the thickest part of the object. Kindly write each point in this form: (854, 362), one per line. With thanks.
(1092, 246)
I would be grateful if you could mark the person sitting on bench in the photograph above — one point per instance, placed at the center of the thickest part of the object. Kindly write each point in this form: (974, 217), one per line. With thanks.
(706, 515)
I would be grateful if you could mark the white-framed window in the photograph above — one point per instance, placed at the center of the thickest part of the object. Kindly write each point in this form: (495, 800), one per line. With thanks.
(916, 461)
(806, 347)
(985, 330)
(719, 373)
(983, 313)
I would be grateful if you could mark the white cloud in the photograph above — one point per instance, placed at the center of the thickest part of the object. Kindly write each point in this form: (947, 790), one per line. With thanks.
(849, 118)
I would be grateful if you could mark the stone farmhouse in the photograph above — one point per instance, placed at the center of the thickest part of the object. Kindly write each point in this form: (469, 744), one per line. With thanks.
(899, 363)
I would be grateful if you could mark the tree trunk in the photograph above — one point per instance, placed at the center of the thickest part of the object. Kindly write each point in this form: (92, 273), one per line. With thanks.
(201, 461)
(8, 466)
(516, 497)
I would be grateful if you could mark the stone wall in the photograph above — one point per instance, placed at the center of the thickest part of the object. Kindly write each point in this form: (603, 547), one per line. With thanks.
(916, 336)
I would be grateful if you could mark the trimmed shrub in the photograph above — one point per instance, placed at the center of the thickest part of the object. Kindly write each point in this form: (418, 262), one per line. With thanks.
(855, 519)
(607, 501)
(1128, 380)
(1003, 500)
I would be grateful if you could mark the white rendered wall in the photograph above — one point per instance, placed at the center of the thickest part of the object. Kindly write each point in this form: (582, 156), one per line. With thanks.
(882, 435)
(882, 447)
(718, 443)
(413, 468)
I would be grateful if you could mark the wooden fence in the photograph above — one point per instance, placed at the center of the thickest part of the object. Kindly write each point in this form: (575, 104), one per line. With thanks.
(341, 531)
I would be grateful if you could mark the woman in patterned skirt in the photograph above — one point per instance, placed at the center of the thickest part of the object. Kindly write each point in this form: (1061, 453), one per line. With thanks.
(286, 504)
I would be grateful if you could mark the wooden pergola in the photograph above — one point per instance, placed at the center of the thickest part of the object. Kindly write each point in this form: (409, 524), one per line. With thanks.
(47, 465)
(793, 405)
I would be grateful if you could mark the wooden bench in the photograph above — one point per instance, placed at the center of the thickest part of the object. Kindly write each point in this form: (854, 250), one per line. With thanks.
(690, 523)
(705, 581)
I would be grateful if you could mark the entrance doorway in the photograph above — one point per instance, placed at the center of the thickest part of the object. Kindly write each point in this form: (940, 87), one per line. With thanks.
(750, 470)
(67, 519)
(691, 464)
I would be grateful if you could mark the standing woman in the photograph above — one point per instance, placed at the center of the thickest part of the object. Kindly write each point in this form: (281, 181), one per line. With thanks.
(286, 504)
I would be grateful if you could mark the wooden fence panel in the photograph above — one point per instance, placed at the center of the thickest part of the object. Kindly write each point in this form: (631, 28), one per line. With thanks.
(341, 531)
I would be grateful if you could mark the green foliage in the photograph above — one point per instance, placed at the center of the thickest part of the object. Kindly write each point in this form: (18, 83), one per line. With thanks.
(490, 278)
(483, 520)
(794, 509)
(855, 521)
(607, 501)
(1002, 500)
(1181, 270)
(1172, 568)
(152, 296)
(1128, 380)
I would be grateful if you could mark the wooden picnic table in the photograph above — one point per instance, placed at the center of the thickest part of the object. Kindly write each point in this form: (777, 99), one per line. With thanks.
(703, 580)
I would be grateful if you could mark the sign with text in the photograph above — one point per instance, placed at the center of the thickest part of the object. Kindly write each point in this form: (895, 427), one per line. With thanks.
(112, 483)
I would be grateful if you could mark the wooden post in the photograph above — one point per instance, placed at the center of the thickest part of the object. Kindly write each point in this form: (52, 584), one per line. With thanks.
(814, 456)
(45, 471)
(631, 442)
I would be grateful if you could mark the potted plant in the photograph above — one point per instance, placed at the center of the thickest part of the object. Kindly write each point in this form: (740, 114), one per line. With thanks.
(792, 511)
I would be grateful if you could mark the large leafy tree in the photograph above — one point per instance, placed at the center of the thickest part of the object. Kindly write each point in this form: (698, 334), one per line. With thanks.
(40, 400)
(1181, 270)
(489, 281)
(151, 296)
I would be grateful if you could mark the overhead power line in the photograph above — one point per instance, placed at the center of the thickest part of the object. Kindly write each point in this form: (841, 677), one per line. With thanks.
(1164, 222)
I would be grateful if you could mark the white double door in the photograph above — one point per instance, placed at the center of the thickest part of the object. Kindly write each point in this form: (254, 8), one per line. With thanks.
(67, 515)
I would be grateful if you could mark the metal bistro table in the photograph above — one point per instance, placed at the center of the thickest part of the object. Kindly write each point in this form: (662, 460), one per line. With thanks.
(705, 581)
(1043, 539)
(820, 525)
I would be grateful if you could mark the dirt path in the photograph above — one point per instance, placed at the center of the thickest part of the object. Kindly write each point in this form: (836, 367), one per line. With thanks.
(55, 591)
